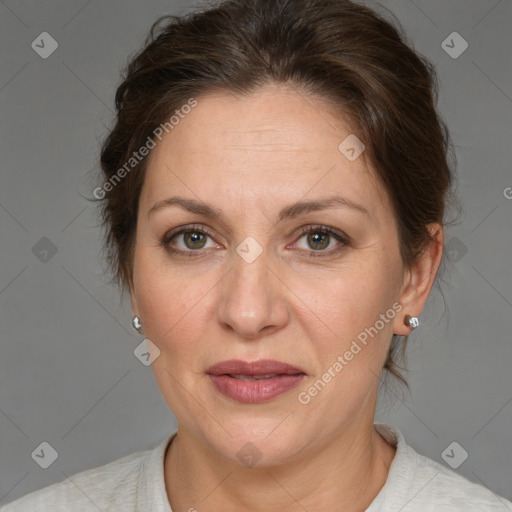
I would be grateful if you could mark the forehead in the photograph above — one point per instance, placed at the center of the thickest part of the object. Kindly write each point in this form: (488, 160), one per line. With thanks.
(274, 146)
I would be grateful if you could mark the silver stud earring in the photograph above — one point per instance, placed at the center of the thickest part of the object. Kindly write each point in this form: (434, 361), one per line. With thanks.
(136, 324)
(411, 321)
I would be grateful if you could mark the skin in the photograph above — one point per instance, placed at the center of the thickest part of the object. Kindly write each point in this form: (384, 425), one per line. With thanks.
(249, 157)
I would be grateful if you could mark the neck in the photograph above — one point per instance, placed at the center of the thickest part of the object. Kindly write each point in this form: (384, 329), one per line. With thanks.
(346, 473)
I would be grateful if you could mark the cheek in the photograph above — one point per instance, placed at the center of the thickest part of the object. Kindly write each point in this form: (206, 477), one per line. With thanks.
(345, 306)
(173, 305)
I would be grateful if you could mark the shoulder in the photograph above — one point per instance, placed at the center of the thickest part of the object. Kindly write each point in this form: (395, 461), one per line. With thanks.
(452, 491)
(106, 487)
(418, 483)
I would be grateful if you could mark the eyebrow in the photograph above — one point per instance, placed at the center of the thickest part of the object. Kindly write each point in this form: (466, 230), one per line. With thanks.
(289, 212)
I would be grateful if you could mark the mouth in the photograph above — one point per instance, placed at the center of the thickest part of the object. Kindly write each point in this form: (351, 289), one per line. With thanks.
(263, 368)
(254, 382)
(257, 377)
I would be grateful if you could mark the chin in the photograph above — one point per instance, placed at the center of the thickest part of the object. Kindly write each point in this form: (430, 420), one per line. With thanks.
(256, 442)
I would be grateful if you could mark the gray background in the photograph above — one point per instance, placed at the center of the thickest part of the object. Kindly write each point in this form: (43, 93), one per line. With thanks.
(68, 373)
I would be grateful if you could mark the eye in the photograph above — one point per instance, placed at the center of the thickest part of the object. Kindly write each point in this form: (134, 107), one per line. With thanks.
(188, 240)
(191, 240)
(321, 239)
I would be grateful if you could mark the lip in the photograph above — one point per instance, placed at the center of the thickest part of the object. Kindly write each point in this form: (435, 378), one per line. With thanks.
(255, 391)
(260, 367)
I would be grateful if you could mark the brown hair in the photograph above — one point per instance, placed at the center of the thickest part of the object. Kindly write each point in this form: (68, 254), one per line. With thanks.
(336, 49)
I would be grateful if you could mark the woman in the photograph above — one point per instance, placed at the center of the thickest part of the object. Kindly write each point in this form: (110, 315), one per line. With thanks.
(274, 196)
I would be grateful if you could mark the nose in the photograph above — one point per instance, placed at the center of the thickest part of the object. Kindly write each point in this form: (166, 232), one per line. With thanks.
(253, 299)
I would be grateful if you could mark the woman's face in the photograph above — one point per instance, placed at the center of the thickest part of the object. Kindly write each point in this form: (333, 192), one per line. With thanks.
(222, 271)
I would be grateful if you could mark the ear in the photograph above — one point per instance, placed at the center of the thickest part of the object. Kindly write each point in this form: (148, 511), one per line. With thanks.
(133, 300)
(419, 279)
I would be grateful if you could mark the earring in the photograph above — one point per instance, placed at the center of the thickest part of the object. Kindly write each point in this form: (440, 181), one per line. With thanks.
(136, 324)
(411, 321)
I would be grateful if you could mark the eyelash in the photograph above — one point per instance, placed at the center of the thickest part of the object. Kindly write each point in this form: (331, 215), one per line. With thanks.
(340, 237)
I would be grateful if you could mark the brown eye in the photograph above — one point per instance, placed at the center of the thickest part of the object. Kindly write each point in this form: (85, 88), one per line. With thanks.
(188, 241)
(194, 239)
(318, 240)
(321, 240)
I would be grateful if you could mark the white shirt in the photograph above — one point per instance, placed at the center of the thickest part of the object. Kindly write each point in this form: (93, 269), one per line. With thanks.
(135, 483)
